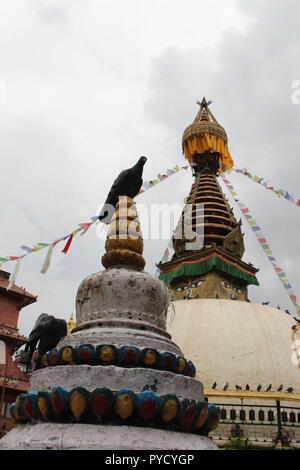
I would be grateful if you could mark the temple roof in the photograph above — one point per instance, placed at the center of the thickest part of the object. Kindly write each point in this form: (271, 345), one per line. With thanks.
(15, 290)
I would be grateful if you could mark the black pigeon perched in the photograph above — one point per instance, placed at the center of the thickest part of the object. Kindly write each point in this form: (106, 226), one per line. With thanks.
(128, 183)
(238, 387)
(290, 389)
(226, 386)
(258, 388)
(269, 388)
(247, 387)
(279, 389)
(48, 331)
(214, 385)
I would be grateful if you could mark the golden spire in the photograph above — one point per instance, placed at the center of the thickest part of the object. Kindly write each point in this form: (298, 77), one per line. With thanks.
(71, 324)
(124, 244)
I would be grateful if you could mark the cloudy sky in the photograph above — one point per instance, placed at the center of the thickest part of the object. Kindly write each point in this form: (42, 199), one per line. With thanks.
(88, 86)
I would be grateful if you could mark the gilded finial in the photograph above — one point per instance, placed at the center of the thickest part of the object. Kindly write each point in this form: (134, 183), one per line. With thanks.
(71, 324)
(124, 243)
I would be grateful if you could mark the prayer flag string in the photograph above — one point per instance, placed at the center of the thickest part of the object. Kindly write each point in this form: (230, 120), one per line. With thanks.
(83, 228)
(256, 229)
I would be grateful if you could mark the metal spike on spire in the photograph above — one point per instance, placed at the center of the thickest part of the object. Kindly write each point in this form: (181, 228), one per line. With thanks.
(204, 103)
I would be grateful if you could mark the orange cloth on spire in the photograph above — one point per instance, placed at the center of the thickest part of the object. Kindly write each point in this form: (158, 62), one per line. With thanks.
(201, 144)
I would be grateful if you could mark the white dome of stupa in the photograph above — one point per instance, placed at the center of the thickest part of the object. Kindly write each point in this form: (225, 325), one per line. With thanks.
(236, 342)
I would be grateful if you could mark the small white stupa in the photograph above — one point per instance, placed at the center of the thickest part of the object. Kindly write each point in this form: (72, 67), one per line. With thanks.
(117, 381)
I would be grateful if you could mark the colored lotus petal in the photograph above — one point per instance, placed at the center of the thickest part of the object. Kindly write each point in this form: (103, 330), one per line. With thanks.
(150, 357)
(106, 354)
(125, 403)
(43, 403)
(190, 370)
(180, 365)
(44, 360)
(19, 410)
(67, 355)
(148, 405)
(168, 361)
(213, 417)
(53, 357)
(30, 405)
(202, 416)
(170, 407)
(85, 354)
(101, 401)
(59, 401)
(188, 414)
(78, 400)
(128, 356)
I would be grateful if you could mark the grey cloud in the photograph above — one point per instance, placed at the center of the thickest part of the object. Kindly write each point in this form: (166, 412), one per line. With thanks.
(249, 77)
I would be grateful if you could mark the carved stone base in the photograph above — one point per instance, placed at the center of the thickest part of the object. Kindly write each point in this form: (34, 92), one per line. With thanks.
(58, 436)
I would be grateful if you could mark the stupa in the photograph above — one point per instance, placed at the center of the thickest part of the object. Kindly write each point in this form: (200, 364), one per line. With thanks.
(118, 381)
(241, 349)
(213, 268)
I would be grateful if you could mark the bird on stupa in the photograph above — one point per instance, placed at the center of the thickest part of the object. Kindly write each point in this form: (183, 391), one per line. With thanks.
(128, 183)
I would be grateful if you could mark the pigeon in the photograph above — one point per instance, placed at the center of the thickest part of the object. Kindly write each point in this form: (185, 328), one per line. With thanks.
(259, 388)
(247, 387)
(48, 331)
(214, 385)
(269, 388)
(238, 387)
(128, 183)
(226, 386)
(279, 389)
(265, 303)
(290, 389)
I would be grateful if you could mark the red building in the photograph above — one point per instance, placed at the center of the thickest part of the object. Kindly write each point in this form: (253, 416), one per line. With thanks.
(12, 380)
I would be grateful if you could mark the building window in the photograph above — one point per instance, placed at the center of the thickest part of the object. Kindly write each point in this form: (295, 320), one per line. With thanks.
(2, 352)
(5, 410)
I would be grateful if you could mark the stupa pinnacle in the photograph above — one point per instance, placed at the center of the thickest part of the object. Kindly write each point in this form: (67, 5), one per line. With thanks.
(208, 241)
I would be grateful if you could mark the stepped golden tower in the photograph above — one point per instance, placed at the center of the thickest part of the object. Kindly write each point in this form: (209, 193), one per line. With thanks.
(208, 241)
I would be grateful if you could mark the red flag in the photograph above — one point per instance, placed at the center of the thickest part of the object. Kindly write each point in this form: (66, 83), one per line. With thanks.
(86, 224)
(66, 248)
